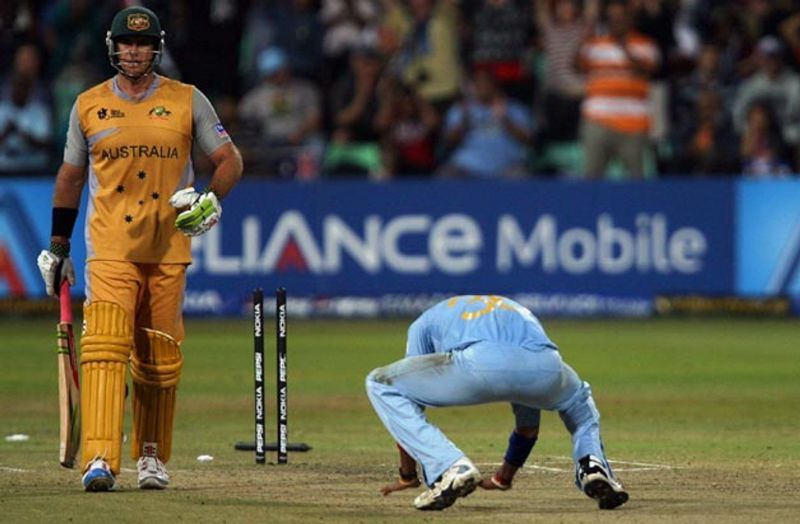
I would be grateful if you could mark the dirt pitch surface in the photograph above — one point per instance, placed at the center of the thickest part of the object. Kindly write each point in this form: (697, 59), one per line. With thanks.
(322, 489)
(700, 420)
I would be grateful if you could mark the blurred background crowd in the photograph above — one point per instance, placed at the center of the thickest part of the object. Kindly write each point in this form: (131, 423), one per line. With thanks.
(439, 88)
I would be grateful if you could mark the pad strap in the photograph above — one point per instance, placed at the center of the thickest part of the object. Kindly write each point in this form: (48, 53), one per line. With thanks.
(157, 361)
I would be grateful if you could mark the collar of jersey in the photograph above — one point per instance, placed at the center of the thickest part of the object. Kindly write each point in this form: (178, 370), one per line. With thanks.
(120, 93)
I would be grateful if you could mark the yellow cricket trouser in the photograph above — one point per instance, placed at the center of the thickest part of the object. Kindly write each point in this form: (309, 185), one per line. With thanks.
(123, 299)
(150, 294)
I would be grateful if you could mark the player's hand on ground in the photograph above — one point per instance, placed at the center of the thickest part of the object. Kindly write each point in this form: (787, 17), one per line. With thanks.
(55, 269)
(400, 485)
(494, 482)
(204, 211)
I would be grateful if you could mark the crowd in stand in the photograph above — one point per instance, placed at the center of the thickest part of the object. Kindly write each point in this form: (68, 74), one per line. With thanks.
(440, 88)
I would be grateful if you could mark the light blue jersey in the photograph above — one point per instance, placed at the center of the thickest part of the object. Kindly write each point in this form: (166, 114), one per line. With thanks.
(473, 350)
(459, 322)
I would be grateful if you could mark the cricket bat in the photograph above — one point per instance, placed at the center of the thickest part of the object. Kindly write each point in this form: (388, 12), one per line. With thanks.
(69, 399)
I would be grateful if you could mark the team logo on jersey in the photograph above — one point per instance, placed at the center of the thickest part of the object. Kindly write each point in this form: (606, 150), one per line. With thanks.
(108, 114)
(160, 112)
(138, 22)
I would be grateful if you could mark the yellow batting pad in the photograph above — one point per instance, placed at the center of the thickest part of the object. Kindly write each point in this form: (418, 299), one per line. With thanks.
(105, 350)
(156, 370)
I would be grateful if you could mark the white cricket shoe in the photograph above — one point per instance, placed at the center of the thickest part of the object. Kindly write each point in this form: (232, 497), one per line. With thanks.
(598, 483)
(99, 476)
(459, 480)
(152, 473)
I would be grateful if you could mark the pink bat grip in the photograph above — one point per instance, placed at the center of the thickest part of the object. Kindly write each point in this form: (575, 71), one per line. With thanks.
(66, 303)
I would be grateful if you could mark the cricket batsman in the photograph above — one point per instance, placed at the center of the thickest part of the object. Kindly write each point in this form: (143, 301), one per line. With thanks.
(131, 138)
(474, 350)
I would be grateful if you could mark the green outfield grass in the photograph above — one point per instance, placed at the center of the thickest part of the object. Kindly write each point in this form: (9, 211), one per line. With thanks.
(711, 406)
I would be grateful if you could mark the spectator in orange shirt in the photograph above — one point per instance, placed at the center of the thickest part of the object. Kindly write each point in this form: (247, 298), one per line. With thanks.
(615, 112)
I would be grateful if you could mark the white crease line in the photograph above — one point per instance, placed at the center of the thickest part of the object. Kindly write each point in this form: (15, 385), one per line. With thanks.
(545, 468)
(549, 469)
(642, 464)
(643, 469)
(129, 470)
(560, 470)
(13, 470)
(637, 466)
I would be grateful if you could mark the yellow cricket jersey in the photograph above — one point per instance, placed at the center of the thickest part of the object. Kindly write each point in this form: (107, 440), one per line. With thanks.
(139, 154)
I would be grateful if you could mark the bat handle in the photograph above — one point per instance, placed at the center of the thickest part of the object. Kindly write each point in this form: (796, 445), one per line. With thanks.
(66, 303)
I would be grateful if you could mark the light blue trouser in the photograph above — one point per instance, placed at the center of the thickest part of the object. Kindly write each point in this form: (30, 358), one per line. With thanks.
(479, 374)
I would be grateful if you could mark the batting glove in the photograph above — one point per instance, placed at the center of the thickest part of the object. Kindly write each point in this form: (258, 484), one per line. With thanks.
(204, 211)
(55, 269)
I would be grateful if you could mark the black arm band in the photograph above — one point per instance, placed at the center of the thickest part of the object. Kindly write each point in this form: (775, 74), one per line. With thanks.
(63, 221)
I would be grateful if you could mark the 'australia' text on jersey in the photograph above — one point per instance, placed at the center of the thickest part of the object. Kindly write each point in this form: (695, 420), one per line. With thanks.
(139, 151)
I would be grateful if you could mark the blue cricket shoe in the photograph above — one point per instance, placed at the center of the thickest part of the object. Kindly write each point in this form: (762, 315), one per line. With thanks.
(99, 477)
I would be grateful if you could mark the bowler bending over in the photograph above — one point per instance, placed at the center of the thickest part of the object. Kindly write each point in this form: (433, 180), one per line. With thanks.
(474, 350)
